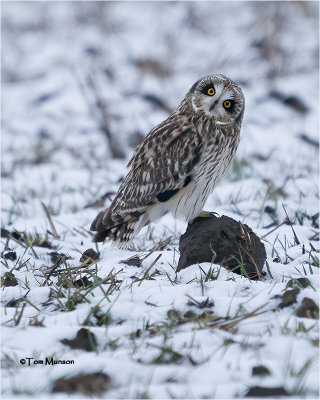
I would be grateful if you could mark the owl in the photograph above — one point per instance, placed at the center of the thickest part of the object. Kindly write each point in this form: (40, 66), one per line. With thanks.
(179, 162)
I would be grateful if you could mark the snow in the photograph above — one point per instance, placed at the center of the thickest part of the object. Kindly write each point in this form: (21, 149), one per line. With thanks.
(53, 151)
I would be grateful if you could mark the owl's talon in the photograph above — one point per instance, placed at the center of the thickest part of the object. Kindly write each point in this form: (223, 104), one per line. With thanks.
(203, 214)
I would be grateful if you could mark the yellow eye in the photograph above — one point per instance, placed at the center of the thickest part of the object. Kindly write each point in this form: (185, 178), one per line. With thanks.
(211, 92)
(227, 104)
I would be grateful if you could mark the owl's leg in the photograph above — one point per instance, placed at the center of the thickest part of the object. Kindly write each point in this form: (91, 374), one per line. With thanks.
(203, 214)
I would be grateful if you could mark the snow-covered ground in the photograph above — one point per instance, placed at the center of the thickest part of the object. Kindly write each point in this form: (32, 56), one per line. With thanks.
(155, 333)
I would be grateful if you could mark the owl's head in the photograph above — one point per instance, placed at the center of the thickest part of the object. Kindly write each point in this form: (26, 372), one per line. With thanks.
(218, 97)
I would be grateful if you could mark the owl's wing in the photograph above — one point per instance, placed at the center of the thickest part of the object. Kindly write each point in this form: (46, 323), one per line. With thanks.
(160, 167)
(158, 139)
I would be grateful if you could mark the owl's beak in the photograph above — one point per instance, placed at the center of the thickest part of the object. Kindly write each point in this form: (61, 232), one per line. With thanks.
(213, 105)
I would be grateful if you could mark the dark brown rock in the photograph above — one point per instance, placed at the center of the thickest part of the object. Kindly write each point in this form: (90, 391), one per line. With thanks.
(308, 309)
(224, 241)
(87, 384)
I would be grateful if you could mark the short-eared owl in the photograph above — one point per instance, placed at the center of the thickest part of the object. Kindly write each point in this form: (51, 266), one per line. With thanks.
(179, 162)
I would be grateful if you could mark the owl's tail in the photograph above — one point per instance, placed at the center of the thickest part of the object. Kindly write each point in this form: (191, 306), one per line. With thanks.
(116, 228)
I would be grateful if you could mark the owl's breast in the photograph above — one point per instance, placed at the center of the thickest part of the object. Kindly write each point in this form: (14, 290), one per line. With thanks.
(215, 159)
(217, 154)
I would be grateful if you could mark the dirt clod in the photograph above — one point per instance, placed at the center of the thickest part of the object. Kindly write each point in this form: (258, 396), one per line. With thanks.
(298, 283)
(134, 261)
(308, 309)
(84, 340)
(9, 279)
(289, 297)
(58, 258)
(10, 255)
(7, 234)
(88, 384)
(258, 391)
(14, 303)
(224, 241)
(260, 370)
(4, 233)
(83, 282)
(89, 257)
